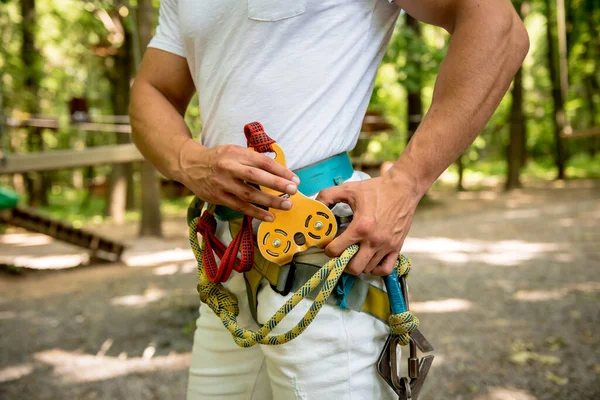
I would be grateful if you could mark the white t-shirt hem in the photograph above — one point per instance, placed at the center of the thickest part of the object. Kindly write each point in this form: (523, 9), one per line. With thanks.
(167, 46)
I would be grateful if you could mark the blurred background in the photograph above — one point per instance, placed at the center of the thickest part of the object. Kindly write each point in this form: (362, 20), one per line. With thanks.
(97, 281)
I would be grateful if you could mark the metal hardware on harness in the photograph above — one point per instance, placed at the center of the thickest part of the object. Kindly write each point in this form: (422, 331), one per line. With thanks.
(407, 388)
(284, 287)
(310, 224)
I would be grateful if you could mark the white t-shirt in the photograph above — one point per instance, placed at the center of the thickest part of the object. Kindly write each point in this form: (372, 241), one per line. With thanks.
(303, 68)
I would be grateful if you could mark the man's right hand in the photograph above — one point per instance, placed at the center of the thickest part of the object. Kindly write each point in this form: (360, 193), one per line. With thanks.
(221, 175)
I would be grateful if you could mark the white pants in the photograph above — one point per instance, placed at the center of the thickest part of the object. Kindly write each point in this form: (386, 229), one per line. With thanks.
(333, 359)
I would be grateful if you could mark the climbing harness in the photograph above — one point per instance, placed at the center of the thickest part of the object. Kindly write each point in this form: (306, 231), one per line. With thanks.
(312, 224)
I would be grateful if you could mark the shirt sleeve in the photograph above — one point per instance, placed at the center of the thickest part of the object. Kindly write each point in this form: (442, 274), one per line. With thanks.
(168, 35)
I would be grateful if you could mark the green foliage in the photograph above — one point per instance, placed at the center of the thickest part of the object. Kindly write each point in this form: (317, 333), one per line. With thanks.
(74, 206)
(583, 103)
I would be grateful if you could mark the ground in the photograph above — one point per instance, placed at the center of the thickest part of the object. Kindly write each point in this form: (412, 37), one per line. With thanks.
(506, 287)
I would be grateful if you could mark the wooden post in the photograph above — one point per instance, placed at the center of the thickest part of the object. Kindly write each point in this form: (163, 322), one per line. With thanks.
(36, 184)
(3, 134)
(120, 193)
(151, 217)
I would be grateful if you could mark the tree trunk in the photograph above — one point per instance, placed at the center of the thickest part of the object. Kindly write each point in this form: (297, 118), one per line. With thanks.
(516, 153)
(558, 75)
(120, 191)
(592, 87)
(35, 183)
(517, 133)
(414, 102)
(151, 218)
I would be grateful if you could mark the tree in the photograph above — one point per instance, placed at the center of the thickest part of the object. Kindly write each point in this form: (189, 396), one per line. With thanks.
(558, 74)
(35, 183)
(151, 218)
(516, 150)
(413, 67)
(120, 193)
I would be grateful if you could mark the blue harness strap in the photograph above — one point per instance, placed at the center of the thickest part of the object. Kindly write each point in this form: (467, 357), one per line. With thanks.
(324, 174)
(343, 288)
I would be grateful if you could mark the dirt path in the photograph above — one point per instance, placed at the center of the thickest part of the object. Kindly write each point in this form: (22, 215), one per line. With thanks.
(506, 286)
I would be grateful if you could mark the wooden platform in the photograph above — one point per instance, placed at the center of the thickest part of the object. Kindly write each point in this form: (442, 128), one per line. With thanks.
(65, 159)
(101, 248)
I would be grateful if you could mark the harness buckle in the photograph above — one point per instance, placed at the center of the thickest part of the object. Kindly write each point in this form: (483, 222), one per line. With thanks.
(289, 280)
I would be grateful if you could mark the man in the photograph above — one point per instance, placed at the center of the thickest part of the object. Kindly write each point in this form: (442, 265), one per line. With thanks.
(305, 70)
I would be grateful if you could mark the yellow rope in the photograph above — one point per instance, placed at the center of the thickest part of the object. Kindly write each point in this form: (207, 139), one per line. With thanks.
(224, 304)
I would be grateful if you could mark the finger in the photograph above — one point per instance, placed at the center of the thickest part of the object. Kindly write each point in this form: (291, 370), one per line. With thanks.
(252, 195)
(360, 260)
(339, 244)
(375, 261)
(263, 178)
(336, 194)
(387, 265)
(266, 163)
(246, 208)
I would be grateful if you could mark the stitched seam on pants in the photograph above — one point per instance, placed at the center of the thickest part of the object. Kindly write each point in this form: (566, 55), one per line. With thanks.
(347, 354)
(297, 390)
(257, 378)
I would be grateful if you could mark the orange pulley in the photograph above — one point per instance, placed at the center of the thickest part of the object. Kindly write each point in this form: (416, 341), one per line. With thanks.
(309, 223)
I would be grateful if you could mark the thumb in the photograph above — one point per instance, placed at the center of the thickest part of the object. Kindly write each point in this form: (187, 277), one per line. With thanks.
(334, 194)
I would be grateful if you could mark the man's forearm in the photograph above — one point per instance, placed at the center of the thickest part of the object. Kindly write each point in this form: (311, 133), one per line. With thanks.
(482, 59)
(158, 128)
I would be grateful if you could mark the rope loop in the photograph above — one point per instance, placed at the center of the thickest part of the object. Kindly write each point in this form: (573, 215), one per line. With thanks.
(402, 325)
(225, 304)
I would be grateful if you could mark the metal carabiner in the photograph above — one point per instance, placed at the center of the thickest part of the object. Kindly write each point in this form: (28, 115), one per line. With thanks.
(407, 388)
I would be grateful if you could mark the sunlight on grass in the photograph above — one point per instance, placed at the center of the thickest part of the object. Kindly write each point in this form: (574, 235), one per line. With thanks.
(497, 393)
(61, 261)
(25, 239)
(74, 367)
(150, 296)
(15, 372)
(502, 253)
(441, 306)
(579, 166)
(555, 294)
(157, 257)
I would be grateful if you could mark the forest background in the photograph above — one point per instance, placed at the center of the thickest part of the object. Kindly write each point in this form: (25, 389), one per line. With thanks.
(52, 52)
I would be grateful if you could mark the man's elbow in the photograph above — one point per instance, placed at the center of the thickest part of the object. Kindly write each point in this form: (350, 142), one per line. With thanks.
(512, 34)
(135, 98)
(519, 38)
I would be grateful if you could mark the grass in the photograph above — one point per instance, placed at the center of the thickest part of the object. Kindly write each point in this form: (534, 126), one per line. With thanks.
(580, 166)
(71, 205)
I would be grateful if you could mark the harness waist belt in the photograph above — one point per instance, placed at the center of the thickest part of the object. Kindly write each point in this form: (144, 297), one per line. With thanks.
(314, 178)
(326, 173)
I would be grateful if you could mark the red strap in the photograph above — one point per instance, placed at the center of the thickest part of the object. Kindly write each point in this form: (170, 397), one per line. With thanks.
(257, 138)
(242, 242)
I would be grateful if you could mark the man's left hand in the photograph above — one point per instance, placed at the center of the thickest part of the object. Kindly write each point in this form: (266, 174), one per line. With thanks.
(383, 211)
